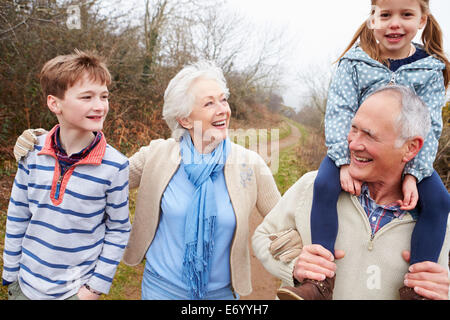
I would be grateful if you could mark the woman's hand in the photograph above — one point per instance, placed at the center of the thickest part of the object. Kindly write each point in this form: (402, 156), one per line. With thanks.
(26, 141)
(285, 245)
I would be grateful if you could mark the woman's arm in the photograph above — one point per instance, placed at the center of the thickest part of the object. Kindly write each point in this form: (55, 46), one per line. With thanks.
(267, 190)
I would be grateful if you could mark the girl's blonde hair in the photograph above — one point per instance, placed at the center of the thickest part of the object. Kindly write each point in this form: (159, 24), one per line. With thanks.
(431, 38)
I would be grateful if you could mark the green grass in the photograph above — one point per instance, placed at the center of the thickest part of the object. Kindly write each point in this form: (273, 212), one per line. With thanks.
(290, 169)
(127, 283)
(127, 280)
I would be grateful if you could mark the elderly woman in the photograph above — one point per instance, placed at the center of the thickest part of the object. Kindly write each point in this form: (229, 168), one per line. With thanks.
(196, 192)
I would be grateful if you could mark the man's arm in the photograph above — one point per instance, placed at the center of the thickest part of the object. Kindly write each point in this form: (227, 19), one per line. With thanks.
(281, 218)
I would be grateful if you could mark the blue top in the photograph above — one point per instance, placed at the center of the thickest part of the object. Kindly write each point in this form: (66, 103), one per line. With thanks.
(358, 75)
(419, 54)
(52, 249)
(166, 252)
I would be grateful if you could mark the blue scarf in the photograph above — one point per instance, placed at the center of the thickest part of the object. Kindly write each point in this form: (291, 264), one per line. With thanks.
(201, 170)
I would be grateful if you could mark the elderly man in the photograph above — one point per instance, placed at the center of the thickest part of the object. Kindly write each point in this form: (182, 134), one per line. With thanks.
(371, 261)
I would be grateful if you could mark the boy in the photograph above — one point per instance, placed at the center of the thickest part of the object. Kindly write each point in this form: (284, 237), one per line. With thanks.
(67, 224)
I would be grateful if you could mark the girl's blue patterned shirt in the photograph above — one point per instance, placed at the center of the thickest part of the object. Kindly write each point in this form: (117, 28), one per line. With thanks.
(357, 76)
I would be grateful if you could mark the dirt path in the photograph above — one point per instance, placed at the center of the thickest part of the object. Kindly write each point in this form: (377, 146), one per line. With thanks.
(264, 284)
(291, 139)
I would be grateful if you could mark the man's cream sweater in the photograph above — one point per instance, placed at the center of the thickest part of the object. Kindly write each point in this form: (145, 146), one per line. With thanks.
(249, 182)
(373, 267)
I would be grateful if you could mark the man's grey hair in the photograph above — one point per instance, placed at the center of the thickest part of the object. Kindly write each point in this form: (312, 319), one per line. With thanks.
(178, 98)
(414, 118)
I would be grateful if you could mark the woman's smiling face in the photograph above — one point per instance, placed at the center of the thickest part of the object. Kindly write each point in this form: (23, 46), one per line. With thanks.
(210, 116)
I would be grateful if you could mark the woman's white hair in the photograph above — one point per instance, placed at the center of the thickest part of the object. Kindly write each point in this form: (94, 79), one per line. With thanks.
(414, 118)
(178, 99)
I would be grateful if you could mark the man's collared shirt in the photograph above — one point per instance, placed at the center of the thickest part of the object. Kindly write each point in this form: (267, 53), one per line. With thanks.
(380, 215)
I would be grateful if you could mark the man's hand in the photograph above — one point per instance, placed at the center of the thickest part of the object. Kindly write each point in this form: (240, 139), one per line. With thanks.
(349, 184)
(26, 141)
(410, 193)
(428, 279)
(285, 245)
(316, 263)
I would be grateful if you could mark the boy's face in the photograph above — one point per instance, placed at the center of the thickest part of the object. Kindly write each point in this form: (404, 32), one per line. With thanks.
(84, 106)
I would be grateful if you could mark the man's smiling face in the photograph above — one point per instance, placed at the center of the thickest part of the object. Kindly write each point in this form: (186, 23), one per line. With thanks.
(372, 139)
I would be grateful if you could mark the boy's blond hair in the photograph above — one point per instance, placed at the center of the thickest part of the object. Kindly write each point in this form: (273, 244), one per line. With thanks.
(61, 72)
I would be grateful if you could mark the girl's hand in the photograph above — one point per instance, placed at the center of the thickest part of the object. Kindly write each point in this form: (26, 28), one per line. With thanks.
(410, 193)
(349, 184)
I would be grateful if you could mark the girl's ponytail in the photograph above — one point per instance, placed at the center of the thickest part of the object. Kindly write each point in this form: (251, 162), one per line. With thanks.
(433, 44)
(367, 42)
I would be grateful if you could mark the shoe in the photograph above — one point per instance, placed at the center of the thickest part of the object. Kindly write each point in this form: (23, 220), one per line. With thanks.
(309, 290)
(407, 293)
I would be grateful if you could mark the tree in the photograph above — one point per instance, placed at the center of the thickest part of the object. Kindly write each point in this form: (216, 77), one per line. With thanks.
(34, 33)
(142, 55)
(315, 82)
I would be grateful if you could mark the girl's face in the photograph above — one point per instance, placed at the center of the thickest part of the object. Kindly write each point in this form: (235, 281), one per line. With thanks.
(395, 23)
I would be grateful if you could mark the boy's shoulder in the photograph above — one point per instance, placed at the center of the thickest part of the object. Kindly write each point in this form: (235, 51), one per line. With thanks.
(41, 139)
(114, 155)
(40, 142)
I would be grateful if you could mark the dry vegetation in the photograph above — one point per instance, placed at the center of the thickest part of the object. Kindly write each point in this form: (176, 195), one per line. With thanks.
(442, 163)
(142, 54)
(144, 48)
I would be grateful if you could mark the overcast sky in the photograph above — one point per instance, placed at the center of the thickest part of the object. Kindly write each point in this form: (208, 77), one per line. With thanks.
(323, 28)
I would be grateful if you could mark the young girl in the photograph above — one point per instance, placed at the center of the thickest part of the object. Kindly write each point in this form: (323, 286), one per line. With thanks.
(385, 54)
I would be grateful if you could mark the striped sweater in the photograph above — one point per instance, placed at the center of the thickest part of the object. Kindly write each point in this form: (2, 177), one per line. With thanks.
(62, 233)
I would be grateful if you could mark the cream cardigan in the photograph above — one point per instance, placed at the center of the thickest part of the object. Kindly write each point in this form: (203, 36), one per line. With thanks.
(248, 179)
(373, 268)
